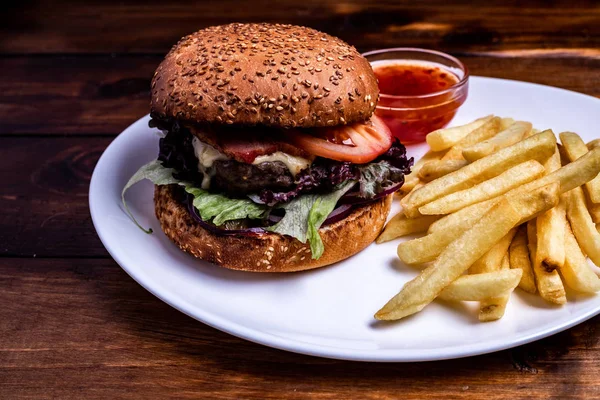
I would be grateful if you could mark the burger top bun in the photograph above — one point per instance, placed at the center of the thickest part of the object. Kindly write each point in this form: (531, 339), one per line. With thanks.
(281, 76)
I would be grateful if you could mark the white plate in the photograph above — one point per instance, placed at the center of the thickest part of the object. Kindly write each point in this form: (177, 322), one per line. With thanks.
(328, 312)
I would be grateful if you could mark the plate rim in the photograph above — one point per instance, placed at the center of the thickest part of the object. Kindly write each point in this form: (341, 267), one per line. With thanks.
(320, 350)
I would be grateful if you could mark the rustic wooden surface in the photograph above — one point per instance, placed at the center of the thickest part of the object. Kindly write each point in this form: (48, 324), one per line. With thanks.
(73, 325)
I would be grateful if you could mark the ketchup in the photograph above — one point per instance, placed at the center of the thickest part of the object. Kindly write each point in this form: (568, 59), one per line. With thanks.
(411, 118)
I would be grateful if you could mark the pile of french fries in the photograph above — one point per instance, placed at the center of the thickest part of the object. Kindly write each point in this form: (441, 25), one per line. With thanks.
(504, 206)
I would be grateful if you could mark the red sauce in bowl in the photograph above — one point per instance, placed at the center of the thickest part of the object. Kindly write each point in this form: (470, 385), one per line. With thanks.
(417, 97)
(413, 80)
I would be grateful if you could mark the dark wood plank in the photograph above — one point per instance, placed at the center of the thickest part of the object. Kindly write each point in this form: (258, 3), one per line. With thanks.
(152, 27)
(71, 95)
(80, 328)
(66, 95)
(44, 198)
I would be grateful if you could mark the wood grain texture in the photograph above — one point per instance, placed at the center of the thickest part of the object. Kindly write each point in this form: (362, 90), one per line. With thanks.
(103, 95)
(73, 325)
(44, 199)
(83, 329)
(152, 27)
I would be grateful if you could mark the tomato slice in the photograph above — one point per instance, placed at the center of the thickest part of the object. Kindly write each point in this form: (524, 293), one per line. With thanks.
(368, 140)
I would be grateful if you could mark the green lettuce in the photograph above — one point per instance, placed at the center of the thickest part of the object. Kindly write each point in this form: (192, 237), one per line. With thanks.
(375, 177)
(154, 172)
(305, 214)
(221, 208)
(210, 205)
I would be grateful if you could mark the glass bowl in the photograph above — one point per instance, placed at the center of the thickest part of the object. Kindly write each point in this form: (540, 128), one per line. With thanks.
(412, 117)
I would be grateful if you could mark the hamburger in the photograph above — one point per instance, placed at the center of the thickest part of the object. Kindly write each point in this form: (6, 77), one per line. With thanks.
(271, 159)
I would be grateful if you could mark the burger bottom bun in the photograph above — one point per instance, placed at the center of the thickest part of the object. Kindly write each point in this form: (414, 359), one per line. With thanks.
(268, 252)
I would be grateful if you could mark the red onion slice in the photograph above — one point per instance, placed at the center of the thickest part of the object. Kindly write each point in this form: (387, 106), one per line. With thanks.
(353, 198)
(338, 213)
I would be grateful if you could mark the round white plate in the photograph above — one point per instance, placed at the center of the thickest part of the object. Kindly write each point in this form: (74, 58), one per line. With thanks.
(328, 312)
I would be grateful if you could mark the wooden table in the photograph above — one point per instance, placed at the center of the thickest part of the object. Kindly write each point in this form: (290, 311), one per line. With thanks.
(73, 325)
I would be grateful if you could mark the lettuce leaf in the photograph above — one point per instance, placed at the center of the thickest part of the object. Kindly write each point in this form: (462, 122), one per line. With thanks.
(209, 205)
(305, 214)
(154, 172)
(221, 208)
(376, 177)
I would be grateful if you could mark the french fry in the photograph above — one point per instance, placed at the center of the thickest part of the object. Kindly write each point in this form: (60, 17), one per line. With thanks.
(457, 219)
(491, 260)
(427, 248)
(493, 308)
(569, 177)
(593, 208)
(464, 251)
(533, 131)
(593, 144)
(454, 260)
(485, 131)
(505, 138)
(583, 227)
(519, 259)
(404, 200)
(481, 286)
(551, 227)
(576, 271)
(510, 179)
(551, 235)
(443, 139)
(576, 148)
(399, 226)
(412, 179)
(538, 147)
(506, 122)
(436, 169)
(548, 283)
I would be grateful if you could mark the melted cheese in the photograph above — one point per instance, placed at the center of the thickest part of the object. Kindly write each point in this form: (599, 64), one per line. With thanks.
(207, 155)
(293, 163)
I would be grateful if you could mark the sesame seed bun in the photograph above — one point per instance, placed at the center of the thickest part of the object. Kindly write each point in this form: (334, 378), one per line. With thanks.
(268, 252)
(269, 74)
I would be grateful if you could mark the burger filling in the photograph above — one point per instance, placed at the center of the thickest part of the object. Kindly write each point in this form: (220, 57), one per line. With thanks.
(289, 182)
